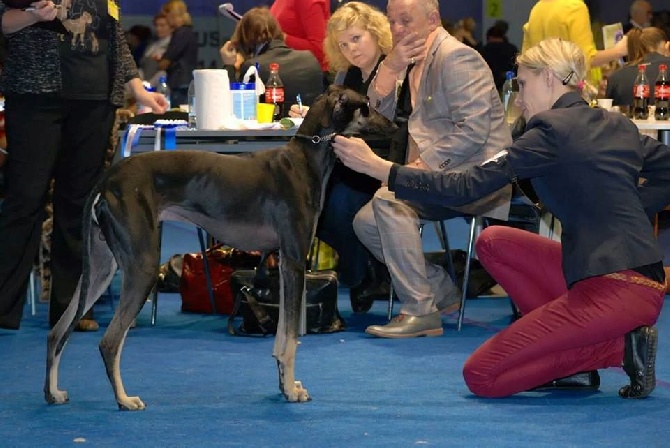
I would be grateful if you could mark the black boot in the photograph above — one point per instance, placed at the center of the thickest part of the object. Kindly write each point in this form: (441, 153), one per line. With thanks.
(579, 381)
(375, 285)
(639, 362)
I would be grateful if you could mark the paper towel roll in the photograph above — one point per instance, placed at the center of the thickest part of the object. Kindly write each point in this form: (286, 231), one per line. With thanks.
(213, 106)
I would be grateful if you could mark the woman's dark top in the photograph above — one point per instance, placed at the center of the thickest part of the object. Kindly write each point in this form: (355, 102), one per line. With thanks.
(33, 63)
(182, 52)
(585, 164)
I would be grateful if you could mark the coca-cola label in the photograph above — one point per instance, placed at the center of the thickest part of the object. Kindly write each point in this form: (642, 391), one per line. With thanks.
(641, 91)
(274, 95)
(662, 91)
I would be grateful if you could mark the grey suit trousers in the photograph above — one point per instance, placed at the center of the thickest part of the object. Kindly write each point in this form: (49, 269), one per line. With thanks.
(389, 228)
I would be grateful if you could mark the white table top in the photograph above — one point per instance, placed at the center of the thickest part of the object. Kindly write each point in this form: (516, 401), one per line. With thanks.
(653, 125)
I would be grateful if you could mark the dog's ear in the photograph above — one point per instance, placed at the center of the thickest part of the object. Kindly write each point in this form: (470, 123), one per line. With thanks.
(336, 98)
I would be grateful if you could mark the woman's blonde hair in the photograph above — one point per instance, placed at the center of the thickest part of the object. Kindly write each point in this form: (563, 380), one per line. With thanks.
(179, 9)
(355, 14)
(564, 58)
(641, 42)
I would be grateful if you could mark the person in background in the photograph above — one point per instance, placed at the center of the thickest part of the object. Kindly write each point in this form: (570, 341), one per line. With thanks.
(640, 15)
(61, 96)
(138, 40)
(181, 56)
(358, 37)
(568, 20)
(148, 65)
(456, 121)
(645, 46)
(258, 39)
(465, 32)
(590, 301)
(304, 25)
(499, 54)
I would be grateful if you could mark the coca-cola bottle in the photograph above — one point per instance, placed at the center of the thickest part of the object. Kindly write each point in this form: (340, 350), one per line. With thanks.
(662, 93)
(641, 94)
(274, 92)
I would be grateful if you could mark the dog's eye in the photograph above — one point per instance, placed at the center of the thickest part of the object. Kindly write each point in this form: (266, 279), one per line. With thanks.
(365, 110)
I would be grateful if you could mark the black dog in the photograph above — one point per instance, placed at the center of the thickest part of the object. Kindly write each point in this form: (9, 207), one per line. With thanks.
(265, 201)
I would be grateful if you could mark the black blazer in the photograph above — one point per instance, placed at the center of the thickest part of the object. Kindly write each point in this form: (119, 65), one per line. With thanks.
(620, 82)
(585, 165)
(299, 71)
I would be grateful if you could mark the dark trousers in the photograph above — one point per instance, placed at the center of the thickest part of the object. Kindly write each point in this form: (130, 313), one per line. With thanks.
(562, 331)
(336, 229)
(47, 137)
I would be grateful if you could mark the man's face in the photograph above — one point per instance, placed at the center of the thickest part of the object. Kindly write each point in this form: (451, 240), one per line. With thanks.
(408, 16)
(643, 14)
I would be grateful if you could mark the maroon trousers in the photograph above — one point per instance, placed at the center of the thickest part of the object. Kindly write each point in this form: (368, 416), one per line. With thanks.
(562, 332)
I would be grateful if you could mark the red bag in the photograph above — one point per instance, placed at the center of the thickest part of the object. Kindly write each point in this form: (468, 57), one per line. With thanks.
(222, 262)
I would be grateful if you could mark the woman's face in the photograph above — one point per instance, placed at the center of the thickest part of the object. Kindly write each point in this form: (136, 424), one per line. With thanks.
(162, 28)
(534, 92)
(359, 47)
(173, 18)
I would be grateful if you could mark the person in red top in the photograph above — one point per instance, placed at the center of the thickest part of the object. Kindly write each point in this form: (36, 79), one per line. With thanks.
(304, 24)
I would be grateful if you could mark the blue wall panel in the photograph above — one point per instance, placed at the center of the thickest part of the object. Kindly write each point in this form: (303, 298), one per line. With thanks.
(451, 10)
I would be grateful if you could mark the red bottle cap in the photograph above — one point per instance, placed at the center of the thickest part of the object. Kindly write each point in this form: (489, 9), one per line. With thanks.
(274, 66)
(662, 67)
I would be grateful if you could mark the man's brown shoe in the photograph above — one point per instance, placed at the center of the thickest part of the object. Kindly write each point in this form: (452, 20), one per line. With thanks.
(406, 326)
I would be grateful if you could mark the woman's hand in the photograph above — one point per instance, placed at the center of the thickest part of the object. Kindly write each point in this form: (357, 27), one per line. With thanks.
(358, 156)
(228, 53)
(156, 101)
(621, 47)
(45, 10)
(297, 111)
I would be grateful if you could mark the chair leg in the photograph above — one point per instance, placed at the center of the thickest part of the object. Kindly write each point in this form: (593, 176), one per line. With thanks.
(154, 292)
(444, 241)
(476, 222)
(205, 264)
(32, 292)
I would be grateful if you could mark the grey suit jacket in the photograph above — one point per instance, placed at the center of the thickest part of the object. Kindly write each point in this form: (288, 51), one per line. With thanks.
(458, 119)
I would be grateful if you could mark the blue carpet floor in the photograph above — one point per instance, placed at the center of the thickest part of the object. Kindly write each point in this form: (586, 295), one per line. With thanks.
(205, 388)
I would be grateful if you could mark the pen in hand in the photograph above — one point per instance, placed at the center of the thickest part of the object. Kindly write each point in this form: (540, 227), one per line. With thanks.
(299, 101)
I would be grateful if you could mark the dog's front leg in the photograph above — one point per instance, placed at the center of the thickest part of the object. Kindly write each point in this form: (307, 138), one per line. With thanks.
(291, 289)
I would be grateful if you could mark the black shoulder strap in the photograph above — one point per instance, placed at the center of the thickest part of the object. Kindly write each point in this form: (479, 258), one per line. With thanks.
(404, 107)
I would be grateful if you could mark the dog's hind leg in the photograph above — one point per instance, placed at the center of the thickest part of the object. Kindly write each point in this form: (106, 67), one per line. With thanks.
(99, 267)
(291, 293)
(139, 272)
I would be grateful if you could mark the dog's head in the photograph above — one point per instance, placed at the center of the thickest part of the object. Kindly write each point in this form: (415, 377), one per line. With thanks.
(347, 112)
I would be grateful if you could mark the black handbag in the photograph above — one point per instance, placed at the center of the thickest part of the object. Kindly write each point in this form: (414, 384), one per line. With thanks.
(256, 296)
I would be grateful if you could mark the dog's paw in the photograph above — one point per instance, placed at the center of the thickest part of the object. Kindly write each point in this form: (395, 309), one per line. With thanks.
(58, 397)
(131, 404)
(296, 394)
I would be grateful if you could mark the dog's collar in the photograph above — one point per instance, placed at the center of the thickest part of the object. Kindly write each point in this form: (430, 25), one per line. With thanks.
(316, 139)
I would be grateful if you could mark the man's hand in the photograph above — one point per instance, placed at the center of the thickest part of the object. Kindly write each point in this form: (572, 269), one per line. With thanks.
(409, 50)
(358, 156)
(156, 101)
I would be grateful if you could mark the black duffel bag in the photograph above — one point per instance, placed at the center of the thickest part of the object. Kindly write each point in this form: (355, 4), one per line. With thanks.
(256, 295)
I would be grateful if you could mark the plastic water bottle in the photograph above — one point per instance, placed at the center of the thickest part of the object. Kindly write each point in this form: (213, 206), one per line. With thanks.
(164, 89)
(507, 89)
(509, 93)
(191, 105)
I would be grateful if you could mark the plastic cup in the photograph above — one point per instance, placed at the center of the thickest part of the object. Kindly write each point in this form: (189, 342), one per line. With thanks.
(264, 112)
(604, 103)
